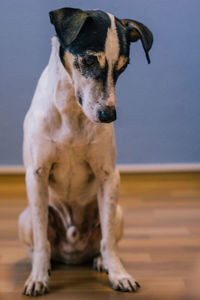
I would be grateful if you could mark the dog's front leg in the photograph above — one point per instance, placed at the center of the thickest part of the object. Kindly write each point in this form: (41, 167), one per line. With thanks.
(107, 199)
(37, 190)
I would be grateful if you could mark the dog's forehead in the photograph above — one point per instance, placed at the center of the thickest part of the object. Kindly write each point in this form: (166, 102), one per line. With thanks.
(100, 31)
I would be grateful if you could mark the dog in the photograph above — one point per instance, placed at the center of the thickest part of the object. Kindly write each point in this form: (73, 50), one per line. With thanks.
(69, 148)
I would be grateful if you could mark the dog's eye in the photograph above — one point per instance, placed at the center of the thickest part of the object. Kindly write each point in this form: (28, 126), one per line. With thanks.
(90, 60)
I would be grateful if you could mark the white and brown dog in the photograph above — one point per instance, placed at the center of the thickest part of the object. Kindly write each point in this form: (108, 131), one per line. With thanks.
(69, 148)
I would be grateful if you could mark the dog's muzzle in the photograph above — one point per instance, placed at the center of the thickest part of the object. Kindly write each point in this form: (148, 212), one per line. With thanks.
(107, 115)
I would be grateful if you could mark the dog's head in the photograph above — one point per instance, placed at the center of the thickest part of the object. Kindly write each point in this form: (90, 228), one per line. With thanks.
(95, 51)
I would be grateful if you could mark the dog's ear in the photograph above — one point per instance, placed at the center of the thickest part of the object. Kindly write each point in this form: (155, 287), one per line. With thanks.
(138, 31)
(68, 23)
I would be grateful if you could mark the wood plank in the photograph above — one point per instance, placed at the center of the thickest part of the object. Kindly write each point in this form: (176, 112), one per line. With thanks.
(161, 244)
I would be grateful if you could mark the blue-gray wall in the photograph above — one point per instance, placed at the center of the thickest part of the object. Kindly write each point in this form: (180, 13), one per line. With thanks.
(158, 104)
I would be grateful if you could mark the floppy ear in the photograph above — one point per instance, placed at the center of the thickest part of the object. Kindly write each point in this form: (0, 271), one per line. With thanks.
(138, 31)
(68, 23)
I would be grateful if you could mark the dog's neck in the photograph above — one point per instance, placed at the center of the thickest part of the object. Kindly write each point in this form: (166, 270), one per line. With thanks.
(60, 83)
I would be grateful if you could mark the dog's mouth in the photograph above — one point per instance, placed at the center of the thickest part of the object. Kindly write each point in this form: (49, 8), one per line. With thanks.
(107, 121)
(104, 122)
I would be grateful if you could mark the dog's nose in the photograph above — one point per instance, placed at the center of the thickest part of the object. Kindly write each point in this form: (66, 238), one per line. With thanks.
(107, 115)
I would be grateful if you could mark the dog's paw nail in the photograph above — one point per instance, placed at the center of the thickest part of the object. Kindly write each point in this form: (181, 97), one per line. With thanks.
(24, 291)
(126, 284)
(131, 285)
(35, 288)
(137, 284)
(35, 293)
(98, 264)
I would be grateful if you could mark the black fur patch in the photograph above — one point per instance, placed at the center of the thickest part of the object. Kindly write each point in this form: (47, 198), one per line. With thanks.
(93, 70)
(124, 44)
(92, 35)
(117, 73)
(61, 54)
(124, 41)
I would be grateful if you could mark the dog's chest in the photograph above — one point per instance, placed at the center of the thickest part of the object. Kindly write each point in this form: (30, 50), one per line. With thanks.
(71, 178)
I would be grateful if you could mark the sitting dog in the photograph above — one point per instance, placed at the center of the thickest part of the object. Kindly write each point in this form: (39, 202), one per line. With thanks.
(69, 148)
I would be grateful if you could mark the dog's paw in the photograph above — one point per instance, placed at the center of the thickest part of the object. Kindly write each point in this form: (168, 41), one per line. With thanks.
(98, 264)
(124, 283)
(36, 287)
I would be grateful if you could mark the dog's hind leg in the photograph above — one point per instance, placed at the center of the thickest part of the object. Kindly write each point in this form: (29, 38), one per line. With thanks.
(119, 223)
(98, 263)
(25, 230)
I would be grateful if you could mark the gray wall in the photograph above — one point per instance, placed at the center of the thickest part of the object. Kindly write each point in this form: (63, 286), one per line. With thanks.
(158, 104)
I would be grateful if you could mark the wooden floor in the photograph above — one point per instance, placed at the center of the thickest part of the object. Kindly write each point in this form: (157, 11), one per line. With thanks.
(160, 248)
